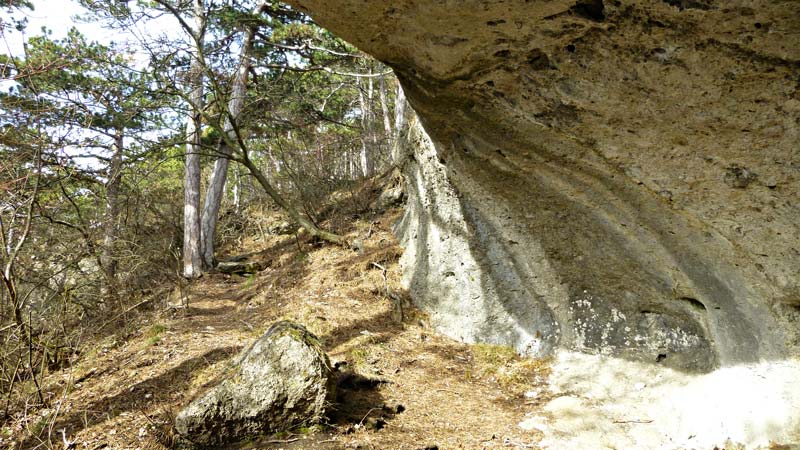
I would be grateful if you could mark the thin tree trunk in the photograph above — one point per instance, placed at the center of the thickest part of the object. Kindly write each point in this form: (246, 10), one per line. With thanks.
(208, 221)
(108, 258)
(400, 105)
(216, 185)
(192, 262)
(237, 190)
(387, 121)
(366, 140)
(371, 134)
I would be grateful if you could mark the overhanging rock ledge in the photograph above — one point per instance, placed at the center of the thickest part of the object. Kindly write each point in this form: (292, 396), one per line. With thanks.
(573, 174)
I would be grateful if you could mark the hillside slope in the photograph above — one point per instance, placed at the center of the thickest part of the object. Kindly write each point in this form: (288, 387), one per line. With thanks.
(124, 393)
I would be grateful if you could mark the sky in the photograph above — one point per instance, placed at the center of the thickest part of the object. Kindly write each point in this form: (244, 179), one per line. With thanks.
(56, 15)
(61, 15)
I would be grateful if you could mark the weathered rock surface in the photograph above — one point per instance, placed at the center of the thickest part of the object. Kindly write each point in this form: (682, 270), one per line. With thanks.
(571, 187)
(282, 381)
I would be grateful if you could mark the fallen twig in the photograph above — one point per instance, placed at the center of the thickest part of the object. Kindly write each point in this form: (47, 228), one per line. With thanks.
(361, 422)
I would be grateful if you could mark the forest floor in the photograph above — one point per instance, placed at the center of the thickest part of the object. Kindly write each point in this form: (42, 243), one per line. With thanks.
(125, 387)
(124, 392)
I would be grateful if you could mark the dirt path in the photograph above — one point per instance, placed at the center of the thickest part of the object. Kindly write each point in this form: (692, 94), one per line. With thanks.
(124, 393)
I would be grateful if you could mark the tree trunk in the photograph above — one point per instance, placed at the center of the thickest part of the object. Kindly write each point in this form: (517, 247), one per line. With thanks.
(387, 122)
(208, 221)
(216, 185)
(192, 262)
(367, 165)
(237, 191)
(400, 121)
(108, 258)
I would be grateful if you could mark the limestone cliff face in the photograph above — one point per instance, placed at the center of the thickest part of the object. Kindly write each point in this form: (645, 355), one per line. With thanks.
(613, 176)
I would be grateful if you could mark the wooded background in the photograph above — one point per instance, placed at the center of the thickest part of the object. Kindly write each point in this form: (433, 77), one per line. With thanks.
(123, 166)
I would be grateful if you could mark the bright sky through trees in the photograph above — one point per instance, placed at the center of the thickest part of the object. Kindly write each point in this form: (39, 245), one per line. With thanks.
(55, 15)
(59, 16)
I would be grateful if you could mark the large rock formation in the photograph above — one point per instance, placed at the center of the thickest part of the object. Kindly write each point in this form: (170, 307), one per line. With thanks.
(282, 381)
(615, 176)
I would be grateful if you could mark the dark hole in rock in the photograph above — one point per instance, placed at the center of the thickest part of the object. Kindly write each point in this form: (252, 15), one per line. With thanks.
(503, 54)
(688, 4)
(490, 83)
(570, 48)
(695, 303)
(758, 25)
(661, 357)
(539, 60)
(493, 23)
(590, 9)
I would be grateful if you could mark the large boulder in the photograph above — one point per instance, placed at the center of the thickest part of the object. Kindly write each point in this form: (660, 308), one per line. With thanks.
(282, 381)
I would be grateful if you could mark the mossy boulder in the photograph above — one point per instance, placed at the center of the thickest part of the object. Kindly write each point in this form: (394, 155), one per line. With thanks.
(282, 381)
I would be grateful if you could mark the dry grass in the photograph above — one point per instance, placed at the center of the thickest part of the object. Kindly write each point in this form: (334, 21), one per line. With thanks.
(454, 395)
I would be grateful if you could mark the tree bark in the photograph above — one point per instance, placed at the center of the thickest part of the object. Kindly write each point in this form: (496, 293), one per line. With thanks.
(108, 258)
(400, 106)
(387, 122)
(216, 185)
(192, 262)
(367, 165)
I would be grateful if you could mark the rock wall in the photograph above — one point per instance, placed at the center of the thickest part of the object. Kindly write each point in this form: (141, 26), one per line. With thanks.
(606, 176)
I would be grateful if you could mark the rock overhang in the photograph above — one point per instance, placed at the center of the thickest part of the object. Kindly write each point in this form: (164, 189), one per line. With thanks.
(581, 152)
